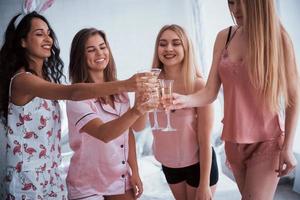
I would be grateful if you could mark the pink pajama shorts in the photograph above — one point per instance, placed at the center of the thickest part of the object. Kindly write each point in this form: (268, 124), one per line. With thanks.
(254, 153)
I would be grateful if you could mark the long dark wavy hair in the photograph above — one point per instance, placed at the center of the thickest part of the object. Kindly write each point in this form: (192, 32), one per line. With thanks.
(78, 68)
(13, 57)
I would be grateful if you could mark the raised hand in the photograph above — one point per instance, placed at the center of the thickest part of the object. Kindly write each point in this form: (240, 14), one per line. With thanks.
(142, 82)
(179, 101)
(142, 103)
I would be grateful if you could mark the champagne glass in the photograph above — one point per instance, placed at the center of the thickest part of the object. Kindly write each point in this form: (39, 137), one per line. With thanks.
(155, 72)
(155, 96)
(166, 91)
(145, 80)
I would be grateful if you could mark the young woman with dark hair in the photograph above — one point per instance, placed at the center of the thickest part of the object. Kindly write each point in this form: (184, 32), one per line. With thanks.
(31, 70)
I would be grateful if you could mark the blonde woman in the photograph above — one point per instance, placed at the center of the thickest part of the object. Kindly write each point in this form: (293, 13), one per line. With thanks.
(187, 158)
(255, 63)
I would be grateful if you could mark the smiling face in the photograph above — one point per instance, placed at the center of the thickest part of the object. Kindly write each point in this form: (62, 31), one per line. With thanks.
(38, 43)
(96, 53)
(170, 48)
(235, 8)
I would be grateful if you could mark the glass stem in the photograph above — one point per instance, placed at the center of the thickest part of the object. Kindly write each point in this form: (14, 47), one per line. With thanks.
(168, 119)
(155, 118)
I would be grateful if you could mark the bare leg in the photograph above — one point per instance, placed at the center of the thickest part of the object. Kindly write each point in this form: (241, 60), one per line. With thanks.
(254, 166)
(192, 191)
(239, 174)
(261, 180)
(179, 190)
(238, 168)
(127, 196)
(93, 197)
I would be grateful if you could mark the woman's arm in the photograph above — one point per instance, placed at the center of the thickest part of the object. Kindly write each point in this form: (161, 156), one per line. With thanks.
(210, 92)
(114, 128)
(132, 160)
(140, 123)
(292, 111)
(204, 129)
(26, 86)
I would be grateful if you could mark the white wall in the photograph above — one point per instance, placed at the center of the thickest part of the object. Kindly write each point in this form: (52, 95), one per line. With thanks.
(215, 17)
(131, 25)
(290, 16)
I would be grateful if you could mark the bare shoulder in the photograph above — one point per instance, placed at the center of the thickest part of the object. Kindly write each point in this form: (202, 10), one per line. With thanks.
(224, 32)
(23, 78)
(221, 38)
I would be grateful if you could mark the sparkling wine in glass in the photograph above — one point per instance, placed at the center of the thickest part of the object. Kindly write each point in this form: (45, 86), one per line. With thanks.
(155, 96)
(156, 72)
(166, 92)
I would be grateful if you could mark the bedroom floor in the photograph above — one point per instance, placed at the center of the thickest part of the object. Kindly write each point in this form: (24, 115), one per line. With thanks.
(156, 188)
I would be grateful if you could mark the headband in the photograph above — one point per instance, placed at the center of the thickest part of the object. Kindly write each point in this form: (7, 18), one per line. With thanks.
(29, 6)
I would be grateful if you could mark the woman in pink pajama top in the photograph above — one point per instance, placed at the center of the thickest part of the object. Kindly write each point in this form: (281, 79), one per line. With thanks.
(187, 158)
(255, 63)
(104, 161)
(31, 73)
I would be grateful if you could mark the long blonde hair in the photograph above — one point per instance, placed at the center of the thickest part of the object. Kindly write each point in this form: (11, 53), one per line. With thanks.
(266, 56)
(190, 68)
